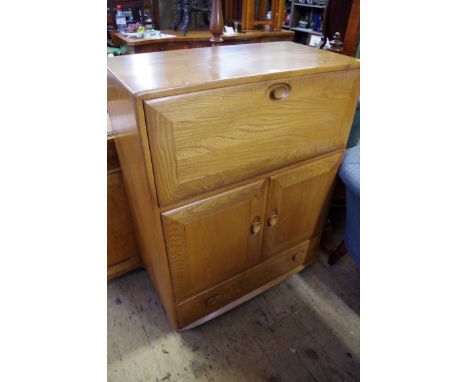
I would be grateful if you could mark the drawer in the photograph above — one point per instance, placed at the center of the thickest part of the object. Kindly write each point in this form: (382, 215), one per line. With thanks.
(238, 286)
(205, 140)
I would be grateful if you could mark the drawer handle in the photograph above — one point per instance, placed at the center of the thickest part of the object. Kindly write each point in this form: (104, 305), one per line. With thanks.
(279, 92)
(256, 226)
(298, 256)
(212, 300)
(273, 218)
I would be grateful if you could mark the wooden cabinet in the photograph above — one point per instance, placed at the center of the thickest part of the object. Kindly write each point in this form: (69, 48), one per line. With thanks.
(229, 165)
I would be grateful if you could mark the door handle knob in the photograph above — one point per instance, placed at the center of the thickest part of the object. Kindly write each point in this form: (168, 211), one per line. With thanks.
(212, 300)
(298, 256)
(279, 92)
(273, 218)
(256, 226)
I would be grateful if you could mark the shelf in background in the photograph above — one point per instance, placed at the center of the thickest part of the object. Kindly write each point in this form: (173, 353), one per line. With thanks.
(285, 26)
(310, 6)
(306, 30)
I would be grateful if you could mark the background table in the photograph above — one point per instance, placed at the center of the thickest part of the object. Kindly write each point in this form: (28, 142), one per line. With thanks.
(196, 39)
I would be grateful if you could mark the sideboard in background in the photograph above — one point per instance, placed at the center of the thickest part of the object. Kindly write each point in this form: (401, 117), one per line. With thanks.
(196, 39)
(122, 250)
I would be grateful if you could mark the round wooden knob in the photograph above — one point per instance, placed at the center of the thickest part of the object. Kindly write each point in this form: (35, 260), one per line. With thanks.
(256, 226)
(298, 256)
(272, 219)
(212, 300)
(279, 92)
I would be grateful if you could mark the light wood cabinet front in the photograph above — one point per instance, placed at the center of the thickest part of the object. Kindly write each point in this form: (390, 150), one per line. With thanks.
(244, 283)
(295, 200)
(214, 239)
(204, 140)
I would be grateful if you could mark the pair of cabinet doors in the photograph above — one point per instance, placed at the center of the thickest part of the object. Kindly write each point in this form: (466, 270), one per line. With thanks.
(216, 238)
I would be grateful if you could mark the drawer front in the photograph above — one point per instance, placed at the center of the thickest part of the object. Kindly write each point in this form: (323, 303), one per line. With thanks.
(225, 293)
(204, 140)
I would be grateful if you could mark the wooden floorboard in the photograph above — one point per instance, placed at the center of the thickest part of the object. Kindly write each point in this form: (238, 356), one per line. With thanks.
(304, 329)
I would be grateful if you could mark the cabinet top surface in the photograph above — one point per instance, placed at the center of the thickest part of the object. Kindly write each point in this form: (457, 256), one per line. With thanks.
(230, 65)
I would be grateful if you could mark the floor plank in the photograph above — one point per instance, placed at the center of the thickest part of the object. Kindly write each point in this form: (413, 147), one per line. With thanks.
(305, 329)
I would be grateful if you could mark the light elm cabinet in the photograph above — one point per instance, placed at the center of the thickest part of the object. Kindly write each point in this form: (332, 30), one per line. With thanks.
(228, 156)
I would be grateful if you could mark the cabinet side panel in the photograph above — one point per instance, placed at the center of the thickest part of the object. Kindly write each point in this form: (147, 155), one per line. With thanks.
(136, 171)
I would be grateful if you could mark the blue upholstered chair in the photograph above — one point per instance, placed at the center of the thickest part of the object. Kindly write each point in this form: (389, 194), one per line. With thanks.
(350, 175)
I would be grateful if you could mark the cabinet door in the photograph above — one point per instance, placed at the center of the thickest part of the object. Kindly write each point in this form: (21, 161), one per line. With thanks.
(214, 239)
(295, 200)
(204, 140)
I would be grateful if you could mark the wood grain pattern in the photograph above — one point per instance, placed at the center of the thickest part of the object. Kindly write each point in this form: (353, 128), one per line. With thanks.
(240, 285)
(197, 148)
(297, 197)
(140, 188)
(243, 182)
(211, 240)
(247, 15)
(165, 73)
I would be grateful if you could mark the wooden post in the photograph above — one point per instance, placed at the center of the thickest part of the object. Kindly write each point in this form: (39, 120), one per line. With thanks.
(247, 15)
(277, 14)
(351, 39)
(336, 45)
(216, 23)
